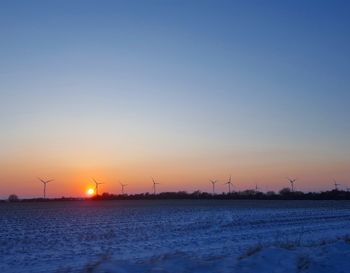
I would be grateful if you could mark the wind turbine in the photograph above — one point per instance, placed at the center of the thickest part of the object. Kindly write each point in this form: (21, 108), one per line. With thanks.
(45, 183)
(336, 185)
(96, 186)
(213, 182)
(123, 186)
(154, 186)
(292, 181)
(229, 183)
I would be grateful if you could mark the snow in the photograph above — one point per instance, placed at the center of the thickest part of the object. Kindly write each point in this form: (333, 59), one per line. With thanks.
(332, 257)
(171, 236)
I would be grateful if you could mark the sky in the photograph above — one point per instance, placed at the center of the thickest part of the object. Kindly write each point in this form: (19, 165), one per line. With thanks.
(182, 91)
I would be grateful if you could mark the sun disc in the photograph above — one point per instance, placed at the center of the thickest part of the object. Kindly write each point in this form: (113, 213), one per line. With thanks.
(90, 191)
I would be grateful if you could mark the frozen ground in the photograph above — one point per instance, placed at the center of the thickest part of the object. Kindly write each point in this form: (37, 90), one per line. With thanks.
(331, 257)
(165, 236)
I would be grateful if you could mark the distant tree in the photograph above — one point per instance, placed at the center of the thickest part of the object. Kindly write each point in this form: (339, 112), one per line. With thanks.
(270, 193)
(247, 192)
(298, 193)
(196, 193)
(13, 198)
(285, 191)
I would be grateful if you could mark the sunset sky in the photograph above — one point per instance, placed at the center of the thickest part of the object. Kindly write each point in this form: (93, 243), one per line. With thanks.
(184, 91)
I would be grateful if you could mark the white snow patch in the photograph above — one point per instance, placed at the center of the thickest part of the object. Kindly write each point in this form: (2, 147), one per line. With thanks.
(322, 258)
(329, 258)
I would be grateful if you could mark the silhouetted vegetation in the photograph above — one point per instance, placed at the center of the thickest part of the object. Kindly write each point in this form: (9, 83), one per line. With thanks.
(13, 198)
(283, 194)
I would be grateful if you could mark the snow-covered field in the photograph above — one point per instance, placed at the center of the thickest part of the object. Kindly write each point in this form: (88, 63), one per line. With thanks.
(169, 236)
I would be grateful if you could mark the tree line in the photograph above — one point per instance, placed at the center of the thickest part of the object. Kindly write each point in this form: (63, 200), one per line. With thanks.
(283, 194)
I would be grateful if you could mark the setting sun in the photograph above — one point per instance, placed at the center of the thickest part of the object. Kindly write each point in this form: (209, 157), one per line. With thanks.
(90, 192)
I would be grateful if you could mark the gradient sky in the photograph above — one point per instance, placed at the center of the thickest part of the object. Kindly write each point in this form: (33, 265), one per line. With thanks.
(184, 91)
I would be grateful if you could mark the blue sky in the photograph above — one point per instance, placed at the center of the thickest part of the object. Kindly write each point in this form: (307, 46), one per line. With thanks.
(183, 89)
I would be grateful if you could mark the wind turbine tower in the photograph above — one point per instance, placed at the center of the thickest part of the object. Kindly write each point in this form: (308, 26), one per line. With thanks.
(229, 183)
(45, 182)
(123, 186)
(213, 182)
(292, 181)
(154, 186)
(96, 186)
(336, 185)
